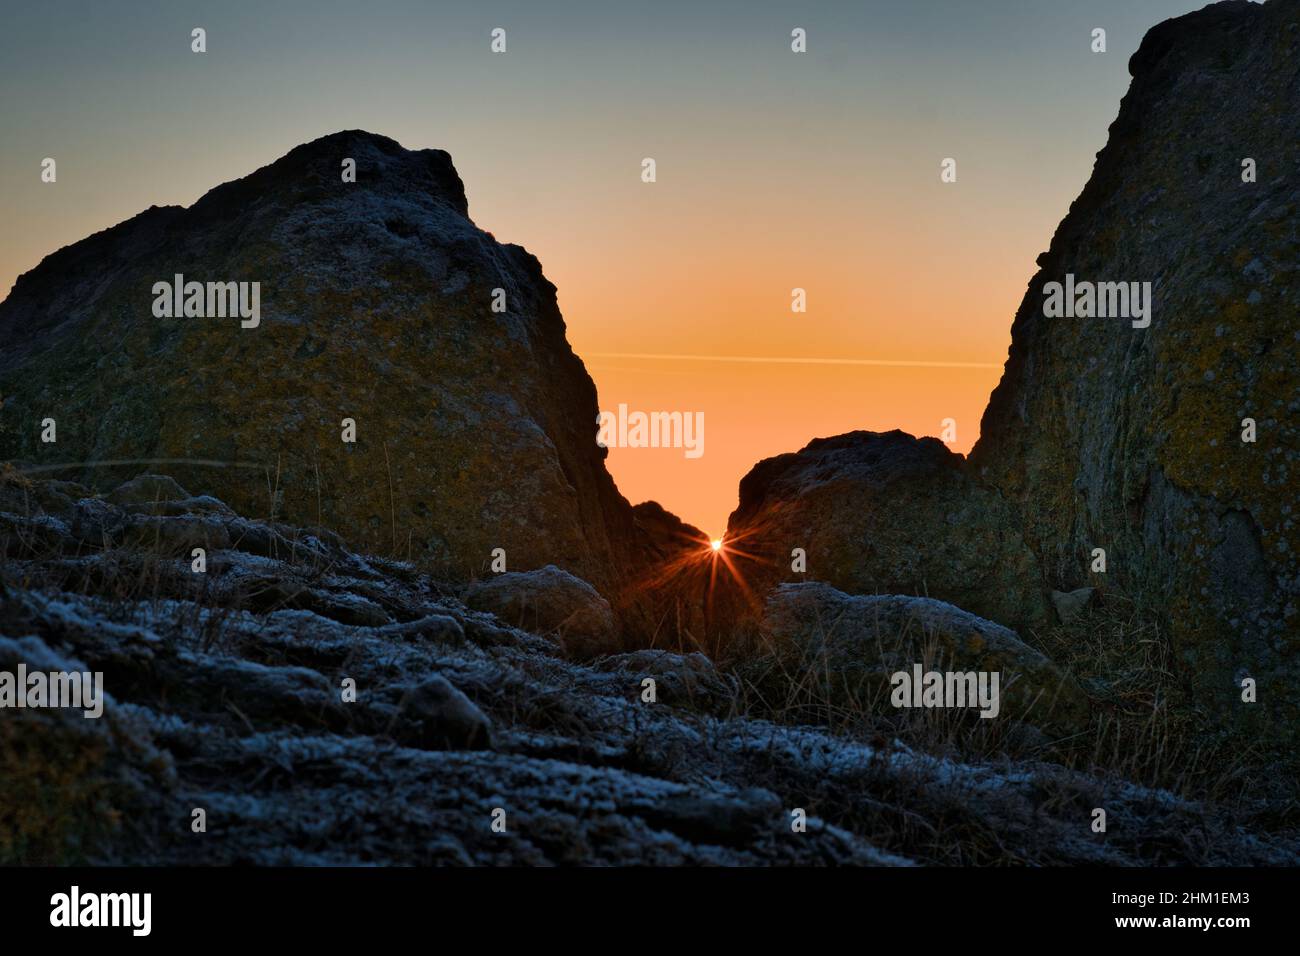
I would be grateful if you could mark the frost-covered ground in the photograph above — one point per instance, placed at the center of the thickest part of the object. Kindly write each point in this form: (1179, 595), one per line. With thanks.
(226, 694)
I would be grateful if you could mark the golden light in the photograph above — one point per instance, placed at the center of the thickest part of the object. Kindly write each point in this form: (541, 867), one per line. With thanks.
(716, 544)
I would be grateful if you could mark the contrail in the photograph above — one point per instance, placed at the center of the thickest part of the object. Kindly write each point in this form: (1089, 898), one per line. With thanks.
(108, 462)
(758, 359)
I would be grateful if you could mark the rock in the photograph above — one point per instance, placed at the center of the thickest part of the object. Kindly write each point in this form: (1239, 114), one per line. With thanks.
(858, 641)
(446, 718)
(176, 536)
(721, 820)
(886, 513)
(276, 694)
(668, 535)
(67, 782)
(1130, 439)
(39, 535)
(1070, 604)
(431, 627)
(265, 591)
(475, 429)
(21, 496)
(550, 600)
(199, 504)
(146, 490)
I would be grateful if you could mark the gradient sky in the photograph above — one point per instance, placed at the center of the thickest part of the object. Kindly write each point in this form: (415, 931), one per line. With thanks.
(775, 170)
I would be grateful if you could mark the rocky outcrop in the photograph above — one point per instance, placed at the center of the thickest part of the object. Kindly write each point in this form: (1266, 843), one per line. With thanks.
(327, 705)
(1132, 440)
(886, 513)
(227, 691)
(475, 429)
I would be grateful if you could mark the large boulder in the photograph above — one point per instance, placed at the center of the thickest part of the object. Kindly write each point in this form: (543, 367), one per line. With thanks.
(886, 513)
(1130, 439)
(475, 429)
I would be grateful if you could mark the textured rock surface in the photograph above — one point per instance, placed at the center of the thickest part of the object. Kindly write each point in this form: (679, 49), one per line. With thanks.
(448, 719)
(63, 777)
(1107, 436)
(550, 601)
(886, 513)
(860, 640)
(474, 429)
(225, 694)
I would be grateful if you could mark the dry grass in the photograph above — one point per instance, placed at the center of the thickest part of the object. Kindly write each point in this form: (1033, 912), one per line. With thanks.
(1145, 725)
(793, 683)
(1148, 725)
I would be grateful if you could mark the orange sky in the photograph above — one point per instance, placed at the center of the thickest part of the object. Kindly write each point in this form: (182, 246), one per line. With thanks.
(907, 270)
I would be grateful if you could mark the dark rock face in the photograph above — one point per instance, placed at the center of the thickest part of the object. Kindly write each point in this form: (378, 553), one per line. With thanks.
(886, 513)
(676, 586)
(667, 535)
(1130, 439)
(475, 429)
(224, 690)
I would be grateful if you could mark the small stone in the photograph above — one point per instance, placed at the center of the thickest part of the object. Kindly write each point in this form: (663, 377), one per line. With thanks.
(444, 718)
(146, 489)
(1070, 604)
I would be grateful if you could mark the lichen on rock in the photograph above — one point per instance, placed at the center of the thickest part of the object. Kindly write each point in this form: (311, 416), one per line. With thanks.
(1131, 441)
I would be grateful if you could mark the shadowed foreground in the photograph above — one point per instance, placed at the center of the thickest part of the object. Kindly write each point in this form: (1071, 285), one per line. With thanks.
(224, 693)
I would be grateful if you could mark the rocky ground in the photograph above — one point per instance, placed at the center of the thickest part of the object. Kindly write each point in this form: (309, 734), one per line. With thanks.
(524, 699)
(226, 694)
